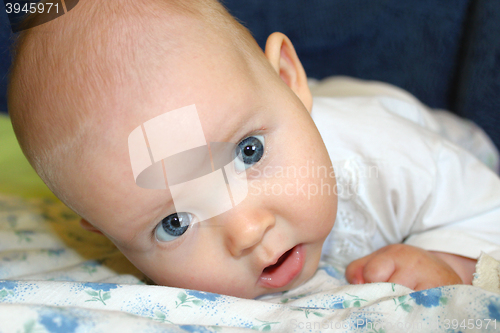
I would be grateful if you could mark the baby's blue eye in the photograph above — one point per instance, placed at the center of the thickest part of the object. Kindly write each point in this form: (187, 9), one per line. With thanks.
(173, 226)
(249, 152)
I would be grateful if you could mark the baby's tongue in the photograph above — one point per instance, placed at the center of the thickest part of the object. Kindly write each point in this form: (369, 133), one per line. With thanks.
(289, 265)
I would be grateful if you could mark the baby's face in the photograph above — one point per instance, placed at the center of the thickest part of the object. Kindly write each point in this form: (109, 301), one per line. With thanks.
(269, 242)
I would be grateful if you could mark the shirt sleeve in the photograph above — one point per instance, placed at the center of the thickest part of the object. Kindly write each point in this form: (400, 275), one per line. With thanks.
(452, 199)
(461, 214)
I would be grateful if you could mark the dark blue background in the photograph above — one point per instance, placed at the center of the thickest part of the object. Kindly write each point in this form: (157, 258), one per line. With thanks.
(445, 52)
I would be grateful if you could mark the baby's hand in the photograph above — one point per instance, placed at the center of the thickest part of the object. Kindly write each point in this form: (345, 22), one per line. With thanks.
(407, 265)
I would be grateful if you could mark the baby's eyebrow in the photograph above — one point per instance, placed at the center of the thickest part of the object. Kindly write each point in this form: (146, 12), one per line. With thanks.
(235, 124)
(198, 162)
(188, 165)
(144, 215)
(202, 160)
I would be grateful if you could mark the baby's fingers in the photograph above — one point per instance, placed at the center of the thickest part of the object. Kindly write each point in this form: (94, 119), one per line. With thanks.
(354, 271)
(372, 268)
(379, 268)
(406, 278)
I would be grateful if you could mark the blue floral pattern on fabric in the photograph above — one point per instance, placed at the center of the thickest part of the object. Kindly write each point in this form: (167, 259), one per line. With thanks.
(203, 295)
(494, 310)
(427, 298)
(195, 329)
(57, 322)
(9, 285)
(100, 286)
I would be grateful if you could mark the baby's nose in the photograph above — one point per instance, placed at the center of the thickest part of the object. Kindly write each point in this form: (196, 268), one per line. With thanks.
(246, 228)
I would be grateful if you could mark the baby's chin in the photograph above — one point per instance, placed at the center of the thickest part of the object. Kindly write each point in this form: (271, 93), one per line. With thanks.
(247, 293)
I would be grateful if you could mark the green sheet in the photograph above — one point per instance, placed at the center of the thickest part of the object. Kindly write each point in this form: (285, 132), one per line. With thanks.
(17, 177)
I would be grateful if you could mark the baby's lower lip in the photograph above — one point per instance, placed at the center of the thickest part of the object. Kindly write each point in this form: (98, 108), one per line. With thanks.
(287, 269)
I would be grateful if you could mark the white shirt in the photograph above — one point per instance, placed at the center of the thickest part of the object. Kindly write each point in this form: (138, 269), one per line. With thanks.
(400, 181)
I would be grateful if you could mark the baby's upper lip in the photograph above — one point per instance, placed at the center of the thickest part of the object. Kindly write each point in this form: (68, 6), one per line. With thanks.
(275, 259)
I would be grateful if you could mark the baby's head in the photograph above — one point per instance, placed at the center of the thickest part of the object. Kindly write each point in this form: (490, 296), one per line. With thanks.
(82, 83)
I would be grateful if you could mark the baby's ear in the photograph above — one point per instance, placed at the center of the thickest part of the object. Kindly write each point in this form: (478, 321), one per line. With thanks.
(87, 226)
(282, 56)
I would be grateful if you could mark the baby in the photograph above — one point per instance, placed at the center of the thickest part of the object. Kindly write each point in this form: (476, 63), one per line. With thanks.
(82, 83)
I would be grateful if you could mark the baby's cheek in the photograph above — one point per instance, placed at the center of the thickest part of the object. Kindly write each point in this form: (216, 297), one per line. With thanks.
(317, 209)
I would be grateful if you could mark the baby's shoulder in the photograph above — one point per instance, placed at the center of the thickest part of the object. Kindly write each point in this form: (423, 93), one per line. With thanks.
(377, 128)
(377, 111)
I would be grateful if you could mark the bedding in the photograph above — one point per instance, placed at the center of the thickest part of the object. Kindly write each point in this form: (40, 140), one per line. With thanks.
(57, 277)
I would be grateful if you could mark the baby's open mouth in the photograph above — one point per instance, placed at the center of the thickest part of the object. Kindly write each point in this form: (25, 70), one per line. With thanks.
(272, 268)
(288, 266)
